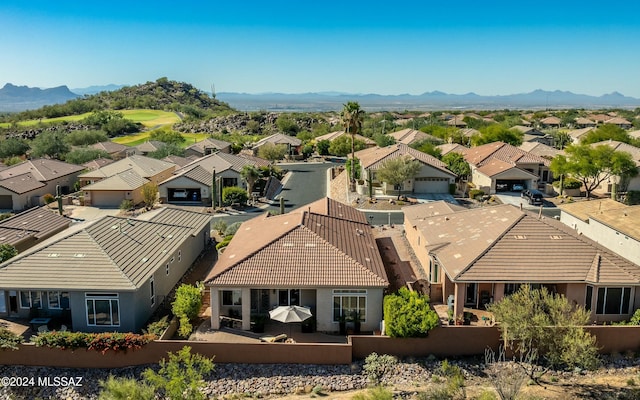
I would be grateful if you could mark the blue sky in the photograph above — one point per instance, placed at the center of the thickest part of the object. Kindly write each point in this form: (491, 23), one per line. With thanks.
(490, 47)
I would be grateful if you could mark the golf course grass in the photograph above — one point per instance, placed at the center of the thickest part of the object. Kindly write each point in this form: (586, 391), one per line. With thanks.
(138, 138)
(148, 118)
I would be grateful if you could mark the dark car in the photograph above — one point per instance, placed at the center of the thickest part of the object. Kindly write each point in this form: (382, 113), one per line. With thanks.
(534, 197)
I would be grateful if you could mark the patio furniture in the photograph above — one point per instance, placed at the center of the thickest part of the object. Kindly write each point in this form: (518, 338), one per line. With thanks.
(63, 328)
(43, 329)
(281, 338)
(35, 323)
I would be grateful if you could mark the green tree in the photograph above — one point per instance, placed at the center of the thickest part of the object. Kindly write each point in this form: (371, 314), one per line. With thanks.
(85, 138)
(83, 154)
(50, 144)
(342, 146)
(408, 314)
(287, 125)
(186, 307)
(593, 165)
(383, 140)
(166, 135)
(606, 132)
(125, 389)
(428, 147)
(149, 194)
(13, 147)
(234, 195)
(272, 152)
(182, 376)
(547, 325)
(398, 170)
(457, 164)
(352, 117)
(356, 168)
(250, 174)
(322, 147)
(497, 133)
(7, 251)
(170, 149)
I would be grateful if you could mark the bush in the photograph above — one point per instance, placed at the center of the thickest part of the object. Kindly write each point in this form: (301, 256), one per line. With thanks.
(376, 366)
(568, 183)
(408, 314)
(475, 193)
(635, 319)
(48, 198)
(101, 342)
(186, 307)
(126, 205)
(231, 230)
(223, 244)
(220, 226)
(234, 195)
(375, 393)
(157, 327)
(125, 388)
(9, 340)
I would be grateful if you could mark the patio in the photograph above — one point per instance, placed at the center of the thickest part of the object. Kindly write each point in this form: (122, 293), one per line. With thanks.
(478, 317)
(271, 328)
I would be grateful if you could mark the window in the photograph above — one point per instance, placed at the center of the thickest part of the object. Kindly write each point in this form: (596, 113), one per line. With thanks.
(179, 255)
(511, 288)
(434, 272)
(289, 297)
(347, 301)
(613, 300)
(152, 289)
(172, 259)
(30, 299)
(103, 309)
(167, 269)
(58, 300)
(231, 298)
(588, 298)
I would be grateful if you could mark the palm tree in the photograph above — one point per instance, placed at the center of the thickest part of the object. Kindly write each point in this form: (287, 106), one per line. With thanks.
(352, 118)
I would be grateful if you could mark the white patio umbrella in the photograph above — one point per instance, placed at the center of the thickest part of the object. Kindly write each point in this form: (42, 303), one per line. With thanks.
(288, 314)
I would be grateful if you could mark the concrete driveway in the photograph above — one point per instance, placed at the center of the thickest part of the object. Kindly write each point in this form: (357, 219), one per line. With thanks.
(515, 199)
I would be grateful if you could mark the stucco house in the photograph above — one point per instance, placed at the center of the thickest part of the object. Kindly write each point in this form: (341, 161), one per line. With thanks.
(501, 167)
(632, 183)
(109, 276)
(433, 177)
(608, 222)
(192, 183)
(475, 256)
(115, 150)
(411, 136)
(22, 185)
(322, 255)
(30, 227)
(331, 136)
(123, 180)
(292, 143)
(207, 146)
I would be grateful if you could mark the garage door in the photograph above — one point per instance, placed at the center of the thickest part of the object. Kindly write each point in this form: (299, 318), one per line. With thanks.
(6, 202)
(431, 185)
(106, 199)
(510, 185)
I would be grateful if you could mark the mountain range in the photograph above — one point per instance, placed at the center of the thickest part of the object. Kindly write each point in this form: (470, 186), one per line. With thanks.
(18, 98)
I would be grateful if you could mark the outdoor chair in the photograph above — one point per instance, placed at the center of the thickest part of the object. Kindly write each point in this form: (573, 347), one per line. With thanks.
(281, 338)
(63, 328)
(42, 329)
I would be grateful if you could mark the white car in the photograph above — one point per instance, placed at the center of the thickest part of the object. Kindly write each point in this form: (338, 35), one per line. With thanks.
(180, 194)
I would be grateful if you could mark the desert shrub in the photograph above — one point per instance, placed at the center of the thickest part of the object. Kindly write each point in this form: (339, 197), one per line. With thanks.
(376, 366)
(231, 230)
(157, 327)
(224, 243)
(126, 205)
(186, 307)
(48, 198)
(181, 377)
(475, 193)
(125, 388)
(220, 226)
(101, 342)
(635, 318)
(234, 195)
(408, 314)
(9, 340)
(374, 393)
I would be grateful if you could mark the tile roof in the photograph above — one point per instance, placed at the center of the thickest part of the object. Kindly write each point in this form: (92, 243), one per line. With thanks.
(621, 146)
(584, 209)
(222, 162)
(540, 149)
(126, 180)
(494, 167)
(43, 169)
(196, 173)
(374, 157)
(300, 249)
(209, 143)
(110, 147)
(335, 209)
(150, 146)
(452, 147)
(505, 244)
(179, 161)
(617, 121)
(279, 138)
(584, 121)
(21, 183)
(577, 134)
(146, 167)
(334, 135)
(468, 132)
(97, 163)
(551, 121)
(410, 136)
(480, 155)
(38, 222)
(114, 253)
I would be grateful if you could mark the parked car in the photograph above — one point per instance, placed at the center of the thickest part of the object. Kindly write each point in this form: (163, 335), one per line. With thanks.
(180, 193)
(534, 197)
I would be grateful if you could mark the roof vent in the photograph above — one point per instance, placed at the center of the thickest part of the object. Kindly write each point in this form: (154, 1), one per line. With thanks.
(79, 255)
(367, 259)
(519, 237)
(309, 245)
(53, 255)
(287, 244)
(145, 259)
(556, 237)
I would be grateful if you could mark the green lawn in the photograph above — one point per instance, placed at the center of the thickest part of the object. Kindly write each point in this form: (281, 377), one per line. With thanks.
(134, 140)
(148, 118)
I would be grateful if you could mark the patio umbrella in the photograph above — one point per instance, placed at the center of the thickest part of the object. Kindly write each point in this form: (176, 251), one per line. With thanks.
(289, 314)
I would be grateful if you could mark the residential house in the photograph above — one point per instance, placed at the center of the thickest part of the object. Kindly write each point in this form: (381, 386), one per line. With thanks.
(115, 150)
(97, 163)
(30, 227)
(578, 134)
(500, 167)
(433, 177)
(179, 161)
(110, 276)
(467, 133)
(322, 256)
(632, 183)
(23, 185)
(292, 143)
(619, 122)
(533, 135)
(192, 183)
(582, 122)
(207, 146)
(476, 256)
(150, 146)
(412, 136)
(540, 149)
(608, 222)
(447, 148)
(457, 121)
(635, 134)
(331, 136)
(550, 123)
(123, 180)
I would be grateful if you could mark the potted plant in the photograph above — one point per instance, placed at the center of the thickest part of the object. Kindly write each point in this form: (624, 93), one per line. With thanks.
(459, 319)
(450, 315)
(342, 323)
(357, 321)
